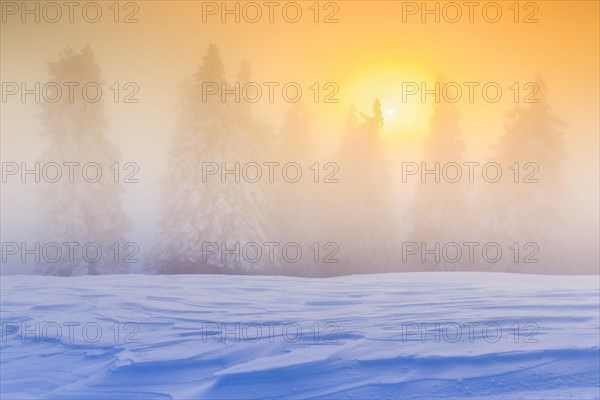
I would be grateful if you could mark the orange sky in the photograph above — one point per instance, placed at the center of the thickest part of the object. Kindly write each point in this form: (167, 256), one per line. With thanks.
(367, 53)
(168, 42)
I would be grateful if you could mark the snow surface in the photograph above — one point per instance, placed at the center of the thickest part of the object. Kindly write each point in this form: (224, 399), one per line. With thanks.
(187, 344)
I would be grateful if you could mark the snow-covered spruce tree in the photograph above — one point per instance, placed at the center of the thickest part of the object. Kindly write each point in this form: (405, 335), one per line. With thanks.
(362, 210)
(524, 212)
(83, 211)
(202, 218)
(438, 212)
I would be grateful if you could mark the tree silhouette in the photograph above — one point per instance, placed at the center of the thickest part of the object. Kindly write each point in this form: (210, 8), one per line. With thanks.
(527, 207)
(438, 212)
(84, 211)
(362, 210)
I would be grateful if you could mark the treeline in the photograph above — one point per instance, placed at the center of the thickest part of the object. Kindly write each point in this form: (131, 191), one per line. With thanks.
(293, 213)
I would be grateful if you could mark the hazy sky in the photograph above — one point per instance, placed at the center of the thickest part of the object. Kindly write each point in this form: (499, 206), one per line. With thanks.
(368, 53)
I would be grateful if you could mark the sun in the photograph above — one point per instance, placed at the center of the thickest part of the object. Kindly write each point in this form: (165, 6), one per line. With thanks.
(385, 82)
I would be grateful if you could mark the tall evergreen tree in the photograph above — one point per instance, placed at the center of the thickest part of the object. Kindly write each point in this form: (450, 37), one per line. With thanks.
(527, 206)
(438, 212)
(363, 222)
(197, 214)
(81, 211)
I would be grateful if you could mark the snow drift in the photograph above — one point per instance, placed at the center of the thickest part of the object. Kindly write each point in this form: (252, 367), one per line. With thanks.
(416, 335)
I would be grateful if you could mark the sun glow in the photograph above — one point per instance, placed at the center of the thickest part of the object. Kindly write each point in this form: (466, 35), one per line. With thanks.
(401, 118)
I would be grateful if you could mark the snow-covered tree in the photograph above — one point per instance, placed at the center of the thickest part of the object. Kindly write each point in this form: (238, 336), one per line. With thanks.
(226, 211)
(82, 211)
(527, 206)
(438, 212)
(362, 210)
